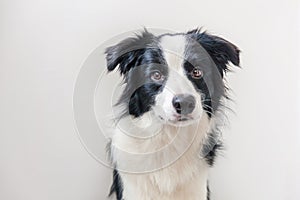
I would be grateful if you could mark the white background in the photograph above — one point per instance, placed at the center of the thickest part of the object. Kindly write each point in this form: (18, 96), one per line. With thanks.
(44, 43)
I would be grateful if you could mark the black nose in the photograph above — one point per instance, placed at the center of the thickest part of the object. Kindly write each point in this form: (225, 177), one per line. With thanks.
(184, 103)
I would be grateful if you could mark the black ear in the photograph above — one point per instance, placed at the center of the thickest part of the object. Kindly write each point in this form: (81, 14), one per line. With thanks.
(127, 52)
(221, 51)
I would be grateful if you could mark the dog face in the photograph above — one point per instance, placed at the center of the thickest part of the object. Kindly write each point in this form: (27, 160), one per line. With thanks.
(177, 76)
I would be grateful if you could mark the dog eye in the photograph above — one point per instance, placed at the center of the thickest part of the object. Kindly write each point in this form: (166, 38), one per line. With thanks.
(196, 73)
(157, 76)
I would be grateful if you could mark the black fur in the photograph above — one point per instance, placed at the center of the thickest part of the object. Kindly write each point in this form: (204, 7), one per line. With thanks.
(137, 58)
(129, 52)
(117, 186)
(211, 56)
(208, 192)
(221, 51)
(211, 148)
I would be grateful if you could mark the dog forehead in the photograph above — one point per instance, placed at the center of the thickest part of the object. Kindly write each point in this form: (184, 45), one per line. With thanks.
(173, 48)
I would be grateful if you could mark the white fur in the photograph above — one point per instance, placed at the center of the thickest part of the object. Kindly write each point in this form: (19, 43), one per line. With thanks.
(175, 172)
(173, 48)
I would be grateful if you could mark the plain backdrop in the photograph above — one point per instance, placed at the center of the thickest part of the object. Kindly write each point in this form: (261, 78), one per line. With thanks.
(44, 43)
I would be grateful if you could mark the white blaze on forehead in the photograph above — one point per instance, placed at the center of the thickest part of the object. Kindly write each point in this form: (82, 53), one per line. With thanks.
(173, 48)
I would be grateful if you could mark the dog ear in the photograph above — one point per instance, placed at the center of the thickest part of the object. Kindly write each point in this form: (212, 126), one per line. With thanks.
(127, 52)
(221, 51)
(121, 54)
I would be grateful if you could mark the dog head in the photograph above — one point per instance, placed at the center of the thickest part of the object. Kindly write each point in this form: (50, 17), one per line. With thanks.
(178, 77)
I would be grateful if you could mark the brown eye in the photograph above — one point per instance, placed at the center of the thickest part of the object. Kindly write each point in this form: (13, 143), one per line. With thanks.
(196, 73)
(156, 76)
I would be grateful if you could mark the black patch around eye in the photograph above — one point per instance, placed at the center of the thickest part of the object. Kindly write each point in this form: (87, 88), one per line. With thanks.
(140, 90)
(143, 98)
(188, 67)
(201, 87)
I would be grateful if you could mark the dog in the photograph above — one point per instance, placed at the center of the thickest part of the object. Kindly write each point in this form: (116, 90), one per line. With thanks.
(167, 131)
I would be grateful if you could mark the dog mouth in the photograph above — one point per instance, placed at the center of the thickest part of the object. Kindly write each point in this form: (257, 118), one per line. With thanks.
(182, 118)
(178, 118)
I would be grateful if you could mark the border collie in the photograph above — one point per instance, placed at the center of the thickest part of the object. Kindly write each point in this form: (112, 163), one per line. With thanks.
(168, 115)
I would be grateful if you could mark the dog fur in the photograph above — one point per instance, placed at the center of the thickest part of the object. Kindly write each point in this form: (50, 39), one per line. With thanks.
(158, 150)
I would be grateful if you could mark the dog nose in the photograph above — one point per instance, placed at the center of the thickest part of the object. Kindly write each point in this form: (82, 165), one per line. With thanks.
(184, 103)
